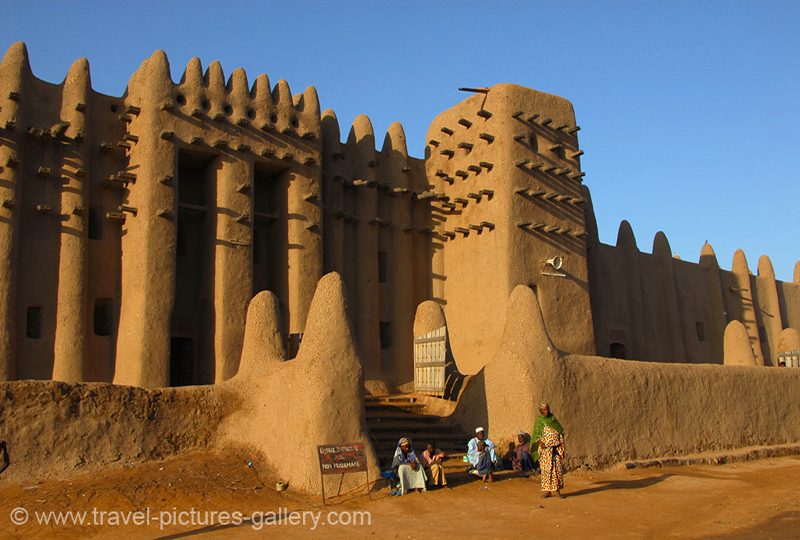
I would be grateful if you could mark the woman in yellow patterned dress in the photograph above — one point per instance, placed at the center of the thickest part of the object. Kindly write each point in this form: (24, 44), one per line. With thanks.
(550, 434)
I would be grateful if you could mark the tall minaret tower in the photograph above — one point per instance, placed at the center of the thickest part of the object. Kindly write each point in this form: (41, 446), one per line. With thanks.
(504, 168)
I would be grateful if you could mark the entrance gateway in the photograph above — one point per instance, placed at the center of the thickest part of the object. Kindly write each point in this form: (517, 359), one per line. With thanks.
(430, 352)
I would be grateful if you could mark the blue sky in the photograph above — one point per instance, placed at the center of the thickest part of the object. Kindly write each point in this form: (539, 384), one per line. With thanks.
(689, 109)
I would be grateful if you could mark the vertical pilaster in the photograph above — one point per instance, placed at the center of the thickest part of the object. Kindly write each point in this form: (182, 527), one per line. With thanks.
(148, 242)
(361, 142)
(305, 244)
(71, 355)
(772, 322)
(742, 293)
(333, 201)
(671, 338)
(715, 310)
(626, 243)
(14, 71)
(233, 262)
(400, 283)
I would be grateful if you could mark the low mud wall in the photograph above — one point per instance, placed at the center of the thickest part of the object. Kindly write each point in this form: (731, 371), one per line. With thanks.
(617, 410)
(279, 410)
(54, 428)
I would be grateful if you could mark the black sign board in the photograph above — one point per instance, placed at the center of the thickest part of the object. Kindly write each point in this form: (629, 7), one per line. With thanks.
(341, 459)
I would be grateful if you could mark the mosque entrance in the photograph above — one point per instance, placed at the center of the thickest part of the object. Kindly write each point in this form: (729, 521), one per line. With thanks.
(191, 360)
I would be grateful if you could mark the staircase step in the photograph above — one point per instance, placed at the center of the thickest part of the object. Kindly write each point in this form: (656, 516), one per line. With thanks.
(391, 417)
(395, 398)
(395, 407)
(411, 425)
(419, 437)
(400, 415)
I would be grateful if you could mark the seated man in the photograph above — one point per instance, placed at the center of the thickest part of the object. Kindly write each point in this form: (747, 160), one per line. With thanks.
(482, 461)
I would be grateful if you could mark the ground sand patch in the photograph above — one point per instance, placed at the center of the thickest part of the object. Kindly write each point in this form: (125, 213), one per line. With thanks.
(742, 500)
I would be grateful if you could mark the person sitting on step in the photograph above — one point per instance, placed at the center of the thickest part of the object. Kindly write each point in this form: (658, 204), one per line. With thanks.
(407, 468)
(474, 455)
(432, 459)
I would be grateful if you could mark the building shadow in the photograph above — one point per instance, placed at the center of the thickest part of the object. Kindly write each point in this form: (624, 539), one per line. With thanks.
(620, 484)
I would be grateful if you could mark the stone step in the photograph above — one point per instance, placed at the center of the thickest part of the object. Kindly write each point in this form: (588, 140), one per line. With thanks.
(419, 437)
(384, 424)
(395, 407)
(380, 415)
(395, 398)
(453, 461)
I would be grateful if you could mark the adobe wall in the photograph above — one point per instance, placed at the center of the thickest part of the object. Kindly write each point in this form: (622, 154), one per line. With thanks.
(162, 212)
(134, 230)
(668, 310)
(54, 429)
(377, 236)
(615, 410)
(505, 170)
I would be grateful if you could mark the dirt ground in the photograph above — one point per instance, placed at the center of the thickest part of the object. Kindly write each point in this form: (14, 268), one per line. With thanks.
(758, 499)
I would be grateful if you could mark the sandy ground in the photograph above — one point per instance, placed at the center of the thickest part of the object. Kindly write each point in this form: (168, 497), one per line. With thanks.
(759, 499)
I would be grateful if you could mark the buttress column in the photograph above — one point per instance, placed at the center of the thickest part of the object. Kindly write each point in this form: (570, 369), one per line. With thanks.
(14, 71)
(149, 236)
(233, 261)
(70, 358)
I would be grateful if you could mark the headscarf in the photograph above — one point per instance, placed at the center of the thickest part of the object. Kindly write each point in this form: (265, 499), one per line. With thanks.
(550, 421)
(405, 458)
(538, 428)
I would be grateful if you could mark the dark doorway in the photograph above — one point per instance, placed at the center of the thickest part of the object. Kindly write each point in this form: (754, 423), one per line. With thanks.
(195, 226)
(181, 362)
(270, 233)
(617, 350)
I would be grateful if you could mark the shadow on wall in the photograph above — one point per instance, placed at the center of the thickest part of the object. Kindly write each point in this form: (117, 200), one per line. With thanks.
(271, 405)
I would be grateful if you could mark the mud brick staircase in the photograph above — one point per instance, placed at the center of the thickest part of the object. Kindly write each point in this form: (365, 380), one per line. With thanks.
(391, 417)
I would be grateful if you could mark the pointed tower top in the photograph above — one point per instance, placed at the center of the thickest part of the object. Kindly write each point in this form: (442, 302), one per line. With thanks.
(193, 74)
(765, 268)
(661, 246)
(361, 130)
(625, 236)
(79, 74)
(16, 58)
(310, 102)
(395, 139)
(215, 77)
(237, 83)
(330, 127)
(707, 256)
(261, 88)
(740, 263)
(282, 94)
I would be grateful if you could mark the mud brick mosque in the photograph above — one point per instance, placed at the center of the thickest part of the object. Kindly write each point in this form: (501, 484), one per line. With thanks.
(135, 230)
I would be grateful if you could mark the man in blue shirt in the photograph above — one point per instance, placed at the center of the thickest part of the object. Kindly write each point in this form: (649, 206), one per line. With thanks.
(481, 462)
